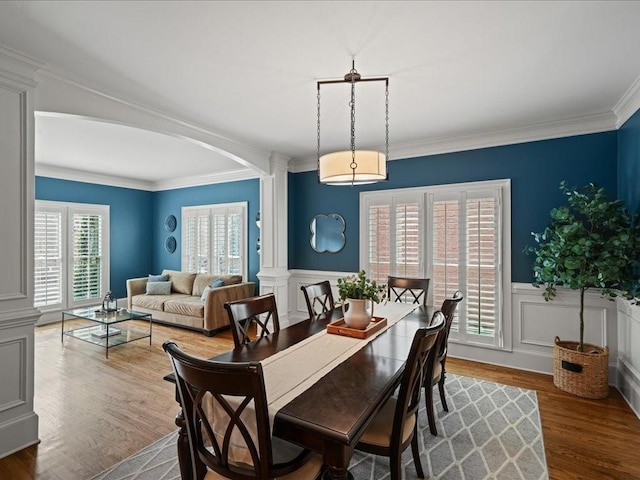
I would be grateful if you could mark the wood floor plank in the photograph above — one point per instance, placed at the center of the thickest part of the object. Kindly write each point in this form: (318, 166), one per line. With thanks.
(95, 411)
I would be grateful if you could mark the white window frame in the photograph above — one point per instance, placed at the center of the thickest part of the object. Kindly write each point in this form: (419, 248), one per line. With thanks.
(67, 210)
(425, 195)
(209, 211)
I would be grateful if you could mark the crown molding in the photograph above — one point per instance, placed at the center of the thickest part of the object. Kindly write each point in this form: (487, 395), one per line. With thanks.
(18, 66)
(628, 104)
(124, 182)
(74, 175)
(600, 122)
(196, 181)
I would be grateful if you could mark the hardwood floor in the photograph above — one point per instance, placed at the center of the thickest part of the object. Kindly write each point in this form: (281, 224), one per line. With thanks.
(94, 412)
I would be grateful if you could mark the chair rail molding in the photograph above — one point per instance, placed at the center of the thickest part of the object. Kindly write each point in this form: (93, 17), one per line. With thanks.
(18, 421)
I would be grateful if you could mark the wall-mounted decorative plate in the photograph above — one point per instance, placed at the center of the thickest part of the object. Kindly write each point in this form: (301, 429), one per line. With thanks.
(170, 223)
(170, 244)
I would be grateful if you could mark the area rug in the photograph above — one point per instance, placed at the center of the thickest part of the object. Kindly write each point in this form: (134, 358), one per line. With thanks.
(491, 431)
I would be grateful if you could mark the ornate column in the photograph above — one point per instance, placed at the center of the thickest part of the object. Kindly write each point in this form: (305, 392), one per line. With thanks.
(18, 421)
(274, 271)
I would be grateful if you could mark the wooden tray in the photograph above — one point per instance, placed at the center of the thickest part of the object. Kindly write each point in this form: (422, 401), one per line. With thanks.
(339, 328)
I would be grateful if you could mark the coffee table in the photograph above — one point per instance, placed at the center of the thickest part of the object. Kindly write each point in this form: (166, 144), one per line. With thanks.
(103, 331)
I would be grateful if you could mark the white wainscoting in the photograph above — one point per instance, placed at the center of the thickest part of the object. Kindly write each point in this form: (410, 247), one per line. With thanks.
(629, 353)
(298, 278)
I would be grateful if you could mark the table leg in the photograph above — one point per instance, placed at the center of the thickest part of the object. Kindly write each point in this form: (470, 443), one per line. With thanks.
(62, 331)
(184, 452)
(336, 462)
(150, 328)
(107, 349)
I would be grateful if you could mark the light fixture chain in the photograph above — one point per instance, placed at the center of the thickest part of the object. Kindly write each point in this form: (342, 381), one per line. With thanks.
(354, 165)
(386, 108)
(318, 129)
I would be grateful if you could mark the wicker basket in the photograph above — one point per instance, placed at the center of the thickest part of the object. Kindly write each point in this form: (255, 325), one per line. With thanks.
(584, 374)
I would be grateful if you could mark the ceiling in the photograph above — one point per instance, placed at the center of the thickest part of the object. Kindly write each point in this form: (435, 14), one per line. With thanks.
(462, 75)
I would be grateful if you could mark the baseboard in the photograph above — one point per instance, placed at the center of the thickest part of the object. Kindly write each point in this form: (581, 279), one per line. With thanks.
(629, 385)
(18, 433)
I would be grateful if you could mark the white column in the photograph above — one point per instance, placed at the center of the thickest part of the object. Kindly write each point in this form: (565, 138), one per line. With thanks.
(18, 421)
(274, 272)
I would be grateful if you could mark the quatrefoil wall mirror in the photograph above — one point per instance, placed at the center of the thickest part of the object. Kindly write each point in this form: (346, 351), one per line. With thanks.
(327, 233)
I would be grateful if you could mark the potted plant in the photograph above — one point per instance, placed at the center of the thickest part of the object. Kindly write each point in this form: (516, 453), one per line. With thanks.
(591, 242)
(358, 291)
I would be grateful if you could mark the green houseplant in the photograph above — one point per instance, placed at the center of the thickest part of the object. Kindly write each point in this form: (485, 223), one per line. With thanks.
(591, 242)
(356, 291)
(358, 286)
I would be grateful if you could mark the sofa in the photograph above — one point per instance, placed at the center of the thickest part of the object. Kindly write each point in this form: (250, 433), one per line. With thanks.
(179, 298)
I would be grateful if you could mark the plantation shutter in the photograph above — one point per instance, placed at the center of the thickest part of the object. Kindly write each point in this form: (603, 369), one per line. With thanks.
(87, 257)
(220, 243)
(465, 255)
(235, 233)
(407, 242)
(195, 240)
(379, 252)
(48, 273)
(482, 265)
(214, 239)
(451, 234)
(445, 253)
(394, 237)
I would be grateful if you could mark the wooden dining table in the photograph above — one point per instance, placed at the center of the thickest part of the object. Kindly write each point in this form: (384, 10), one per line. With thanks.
(332, 414)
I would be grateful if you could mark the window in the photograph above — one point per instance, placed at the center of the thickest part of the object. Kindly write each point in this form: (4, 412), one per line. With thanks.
(453, 234)
(214, 239)
(71, 254)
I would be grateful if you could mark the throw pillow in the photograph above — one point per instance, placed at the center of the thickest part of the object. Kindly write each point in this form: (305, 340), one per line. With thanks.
(218, 282)
(205, 293)
(158, 278)
(158, 288)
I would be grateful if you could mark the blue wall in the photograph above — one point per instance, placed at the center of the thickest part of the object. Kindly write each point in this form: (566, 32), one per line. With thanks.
(170, 202)
(629, 163)
(535, 170)
(130, 215)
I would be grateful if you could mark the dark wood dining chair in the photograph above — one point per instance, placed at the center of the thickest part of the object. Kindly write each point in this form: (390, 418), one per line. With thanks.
(258, 311)
(394, 428)
(408, 290)
(233, 386)
(319, 298)
(436, 373)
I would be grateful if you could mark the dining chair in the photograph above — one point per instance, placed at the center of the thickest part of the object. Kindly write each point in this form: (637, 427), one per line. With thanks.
(319, 298)
(394, 428)
(244, 313)
(238, 388)
(407, 290)
(436, 370)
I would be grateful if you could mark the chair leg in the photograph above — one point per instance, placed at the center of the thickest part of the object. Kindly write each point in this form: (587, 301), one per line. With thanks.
(415, 450)
(443, 400)
(431, 416)
(394, 466)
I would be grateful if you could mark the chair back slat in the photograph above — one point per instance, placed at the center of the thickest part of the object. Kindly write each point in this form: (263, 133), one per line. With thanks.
(260, 311)
(408, 290)
(415, 370)
(319, 299)
(449, 306)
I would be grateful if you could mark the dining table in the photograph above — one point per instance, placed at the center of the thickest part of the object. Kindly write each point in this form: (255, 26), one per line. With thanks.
(330, 414)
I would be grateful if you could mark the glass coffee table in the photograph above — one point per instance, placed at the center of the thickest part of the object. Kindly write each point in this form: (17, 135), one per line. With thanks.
(103, 330)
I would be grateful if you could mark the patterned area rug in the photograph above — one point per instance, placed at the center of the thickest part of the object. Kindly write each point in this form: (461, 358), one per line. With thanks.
(491, 431)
